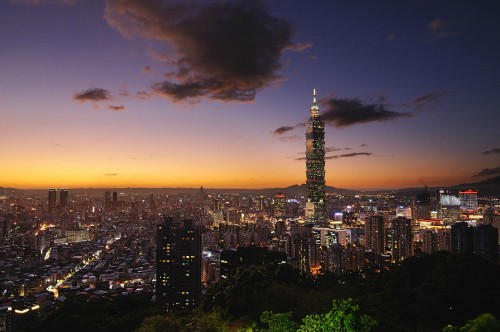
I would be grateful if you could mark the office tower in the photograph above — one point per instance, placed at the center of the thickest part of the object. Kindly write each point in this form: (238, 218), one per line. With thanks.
(52, 200)
(114, 204)
(107, 201)
(486, 242)
(468, 201)
(402, 239)
(461, 238)
(178, 265)
(448, 206)
(261, 206)
(279, 205)
(315, 166)
(423, 205)
(63, 198)
(374, 234)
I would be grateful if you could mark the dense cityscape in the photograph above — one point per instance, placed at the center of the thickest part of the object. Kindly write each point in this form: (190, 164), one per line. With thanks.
(173, 245)
(249, 166)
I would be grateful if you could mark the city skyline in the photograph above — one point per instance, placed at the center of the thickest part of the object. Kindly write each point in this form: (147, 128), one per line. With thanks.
(125, 94)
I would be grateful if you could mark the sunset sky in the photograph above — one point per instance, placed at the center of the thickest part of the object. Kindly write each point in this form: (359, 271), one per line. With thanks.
(151, 93)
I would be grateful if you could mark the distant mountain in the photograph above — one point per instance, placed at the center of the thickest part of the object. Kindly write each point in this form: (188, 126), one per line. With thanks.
(488, 187)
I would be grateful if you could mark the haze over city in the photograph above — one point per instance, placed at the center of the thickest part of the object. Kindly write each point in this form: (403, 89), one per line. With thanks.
(123, 93)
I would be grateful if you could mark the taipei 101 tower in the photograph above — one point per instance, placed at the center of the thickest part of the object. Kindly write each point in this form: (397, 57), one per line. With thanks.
(315, 166)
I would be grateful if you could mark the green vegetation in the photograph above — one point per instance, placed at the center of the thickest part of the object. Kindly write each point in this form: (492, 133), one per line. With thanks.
(438, 292)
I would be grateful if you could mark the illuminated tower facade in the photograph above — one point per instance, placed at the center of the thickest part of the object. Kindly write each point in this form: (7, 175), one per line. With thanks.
(178, 265)
(52, 200)
(315, 166)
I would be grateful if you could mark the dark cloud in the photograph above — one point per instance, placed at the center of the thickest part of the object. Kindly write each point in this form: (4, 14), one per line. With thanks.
(148, 69)
(282, 130)
(111, 174)
(116, 108)
(335, 149)
(492, 151)
(291, 138)
(349, 155)
(488, 172)
(44, 2)
(347, 112)
(94, 94)
(363, 145)
(211, 59)
(443, 29)
(391, 37)
(430, 97)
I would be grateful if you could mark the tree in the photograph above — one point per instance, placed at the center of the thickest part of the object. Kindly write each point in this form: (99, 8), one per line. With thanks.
(278, 322)
(482, 323)
(343, 317)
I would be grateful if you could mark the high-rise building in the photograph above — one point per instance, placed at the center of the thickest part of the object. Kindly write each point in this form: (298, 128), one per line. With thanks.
(52, 200)
(279, 205)
(107, 201)
(63, 198)
(468, 201)
(178, 265)
(486, 242)
(402, 239)
(315, 166)
(461, 238)
(374, 234)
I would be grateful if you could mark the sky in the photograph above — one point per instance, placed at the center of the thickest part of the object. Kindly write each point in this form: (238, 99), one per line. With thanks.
(152, 93)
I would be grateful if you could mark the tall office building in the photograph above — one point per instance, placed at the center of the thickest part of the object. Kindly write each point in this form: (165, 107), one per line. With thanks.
(461, 238)
(178, 265)
(279, 205)
(63, 198)
(315, 166)
(486, 242)
(52, 200)
(107, 201)
(468, 201)
(374, 234)
(402, 239)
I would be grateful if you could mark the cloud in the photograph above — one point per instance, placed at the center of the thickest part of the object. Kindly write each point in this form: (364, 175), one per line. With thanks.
(94, 94)
(211, 58)
(44, 2)
(349, 155)
(488, 172)
(492, 151)
(391, 37)
(282, 130)
(335, 149)
(148, 69)
(291, 138)
(443, 29)
(300, 47)
(347, 112)
(430, 97)
(116, 108)
(363, 145)
(111, 174)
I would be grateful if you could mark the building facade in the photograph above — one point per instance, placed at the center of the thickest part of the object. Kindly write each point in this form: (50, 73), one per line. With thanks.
(178, 265)
(315, 166)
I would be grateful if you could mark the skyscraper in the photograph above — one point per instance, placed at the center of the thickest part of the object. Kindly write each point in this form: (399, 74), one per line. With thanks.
(402, 239)
(315, 166)
(462, 238)
(486, 242)
(178, 265)
(468, 201)
(374, 234)
(279, 205)
(52, 200)
(63, 198)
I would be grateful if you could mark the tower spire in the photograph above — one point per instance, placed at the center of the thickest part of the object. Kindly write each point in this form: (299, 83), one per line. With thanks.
(314, 106)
